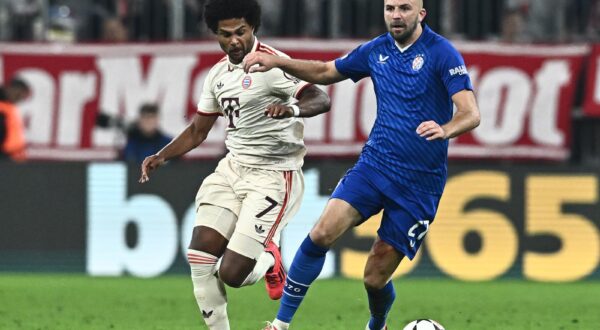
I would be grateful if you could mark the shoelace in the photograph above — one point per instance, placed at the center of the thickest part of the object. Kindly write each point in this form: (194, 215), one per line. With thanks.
(273, 279)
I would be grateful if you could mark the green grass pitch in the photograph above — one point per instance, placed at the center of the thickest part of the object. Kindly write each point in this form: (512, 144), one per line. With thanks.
(37, 301)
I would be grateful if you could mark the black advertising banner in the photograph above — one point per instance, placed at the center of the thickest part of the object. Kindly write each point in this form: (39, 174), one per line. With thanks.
(534, 222)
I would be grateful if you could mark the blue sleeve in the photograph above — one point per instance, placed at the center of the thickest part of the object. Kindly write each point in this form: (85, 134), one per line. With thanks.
(356, 64)
(453, 70)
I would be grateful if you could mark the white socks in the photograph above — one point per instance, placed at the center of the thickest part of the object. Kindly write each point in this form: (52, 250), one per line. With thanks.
(208, 290)
(264, 262)
(280, 325)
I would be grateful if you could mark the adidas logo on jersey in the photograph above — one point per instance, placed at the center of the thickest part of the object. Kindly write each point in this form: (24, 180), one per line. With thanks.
(220, 85)
(259, 229)
(206, 314)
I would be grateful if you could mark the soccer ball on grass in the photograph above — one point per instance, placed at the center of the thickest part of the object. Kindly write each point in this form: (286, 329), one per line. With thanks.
(424, 325)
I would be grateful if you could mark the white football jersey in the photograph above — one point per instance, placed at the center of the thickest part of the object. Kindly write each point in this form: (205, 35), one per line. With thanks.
(254, 139)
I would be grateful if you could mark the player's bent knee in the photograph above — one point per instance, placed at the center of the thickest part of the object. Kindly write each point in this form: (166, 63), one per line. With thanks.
(325, 235)
(375, 280)
(233, 275)
(235, 268)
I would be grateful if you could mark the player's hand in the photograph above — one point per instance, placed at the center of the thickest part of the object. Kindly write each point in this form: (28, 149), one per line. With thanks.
(279, 111)
(431, 130)
(259, 62)
(150, 164)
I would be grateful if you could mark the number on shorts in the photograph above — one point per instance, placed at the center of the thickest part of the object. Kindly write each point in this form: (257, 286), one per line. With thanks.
(269, 208)
(412, 234)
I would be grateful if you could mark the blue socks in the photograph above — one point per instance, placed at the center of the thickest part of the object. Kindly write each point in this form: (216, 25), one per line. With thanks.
(306, 267)
(380, 302)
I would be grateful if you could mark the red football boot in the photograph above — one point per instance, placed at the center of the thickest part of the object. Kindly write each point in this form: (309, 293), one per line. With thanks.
(275, 277)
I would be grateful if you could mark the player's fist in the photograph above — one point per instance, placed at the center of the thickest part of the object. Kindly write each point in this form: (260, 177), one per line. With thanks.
(259, 62)
(149, 164)
(431, 130)
(279, 111)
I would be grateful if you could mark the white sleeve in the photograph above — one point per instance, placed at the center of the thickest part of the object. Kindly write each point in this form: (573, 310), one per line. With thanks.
(208, 104)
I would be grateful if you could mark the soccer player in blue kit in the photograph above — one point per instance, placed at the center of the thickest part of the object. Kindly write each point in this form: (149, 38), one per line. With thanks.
(417, 75)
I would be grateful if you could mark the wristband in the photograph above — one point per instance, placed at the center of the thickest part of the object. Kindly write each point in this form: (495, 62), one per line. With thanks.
(296, 110)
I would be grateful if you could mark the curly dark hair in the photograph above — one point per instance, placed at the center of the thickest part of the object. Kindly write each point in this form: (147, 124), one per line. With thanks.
(217, 10)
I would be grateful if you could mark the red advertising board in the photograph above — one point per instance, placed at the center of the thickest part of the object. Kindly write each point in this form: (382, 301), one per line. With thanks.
(525, 96)
(592, 95)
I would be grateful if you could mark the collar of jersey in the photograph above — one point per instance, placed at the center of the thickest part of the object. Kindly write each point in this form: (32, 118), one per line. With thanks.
(241, 65)
(394, 44)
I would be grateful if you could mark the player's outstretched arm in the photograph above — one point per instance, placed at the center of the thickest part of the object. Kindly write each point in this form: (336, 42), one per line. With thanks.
(316, 72)
(312, 101)
(190, 138)
(465, 119)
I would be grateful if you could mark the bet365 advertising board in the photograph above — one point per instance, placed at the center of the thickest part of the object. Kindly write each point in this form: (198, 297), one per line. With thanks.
(535, 222)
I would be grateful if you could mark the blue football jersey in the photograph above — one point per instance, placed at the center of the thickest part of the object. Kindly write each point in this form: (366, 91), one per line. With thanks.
(411, 86)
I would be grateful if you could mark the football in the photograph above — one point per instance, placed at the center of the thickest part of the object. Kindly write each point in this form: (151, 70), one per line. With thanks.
(424, 324)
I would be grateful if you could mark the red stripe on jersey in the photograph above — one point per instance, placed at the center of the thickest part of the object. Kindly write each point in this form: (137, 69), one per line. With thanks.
(268, 51)
(299, 91)
(269, 48)
(288, 189)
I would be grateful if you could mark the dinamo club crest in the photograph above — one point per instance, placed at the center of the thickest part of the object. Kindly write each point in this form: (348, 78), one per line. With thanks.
(418, 62)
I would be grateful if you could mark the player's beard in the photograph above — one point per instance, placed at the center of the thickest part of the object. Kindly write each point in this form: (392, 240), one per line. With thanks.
(402, 37)
(237, 55)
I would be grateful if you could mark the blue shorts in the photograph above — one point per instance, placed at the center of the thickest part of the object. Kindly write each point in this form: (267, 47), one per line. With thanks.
(407, 213)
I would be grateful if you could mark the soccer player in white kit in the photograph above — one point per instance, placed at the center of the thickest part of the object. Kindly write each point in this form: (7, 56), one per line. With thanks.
(243, 206)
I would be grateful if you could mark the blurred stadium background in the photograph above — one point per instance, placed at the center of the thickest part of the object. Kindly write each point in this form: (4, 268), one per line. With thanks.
(521, 207)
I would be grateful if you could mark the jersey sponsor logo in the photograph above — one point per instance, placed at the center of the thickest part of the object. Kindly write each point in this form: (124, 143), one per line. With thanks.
(231, 108)
(246, 82)
(459, 70)
(382, 59)
(418, 62)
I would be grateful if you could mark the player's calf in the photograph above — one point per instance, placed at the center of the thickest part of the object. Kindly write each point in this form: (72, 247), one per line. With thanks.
(235, 268)
(245, 261)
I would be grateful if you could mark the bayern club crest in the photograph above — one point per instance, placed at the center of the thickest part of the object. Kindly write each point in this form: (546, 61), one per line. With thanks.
(247, 82)
(418, 62)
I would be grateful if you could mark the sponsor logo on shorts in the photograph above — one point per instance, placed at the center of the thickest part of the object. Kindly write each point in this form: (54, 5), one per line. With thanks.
(259, 229)
(206, 314)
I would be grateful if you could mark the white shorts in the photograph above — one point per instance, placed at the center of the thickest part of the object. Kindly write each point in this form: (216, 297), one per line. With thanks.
(263, 201)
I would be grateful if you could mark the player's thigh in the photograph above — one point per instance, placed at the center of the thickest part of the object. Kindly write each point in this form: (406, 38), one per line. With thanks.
(382, 262)
(213, 229)
(217, 208)
(336, 219)
(355, 199)
(272, 199)
(407, 217)
(218, 188)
